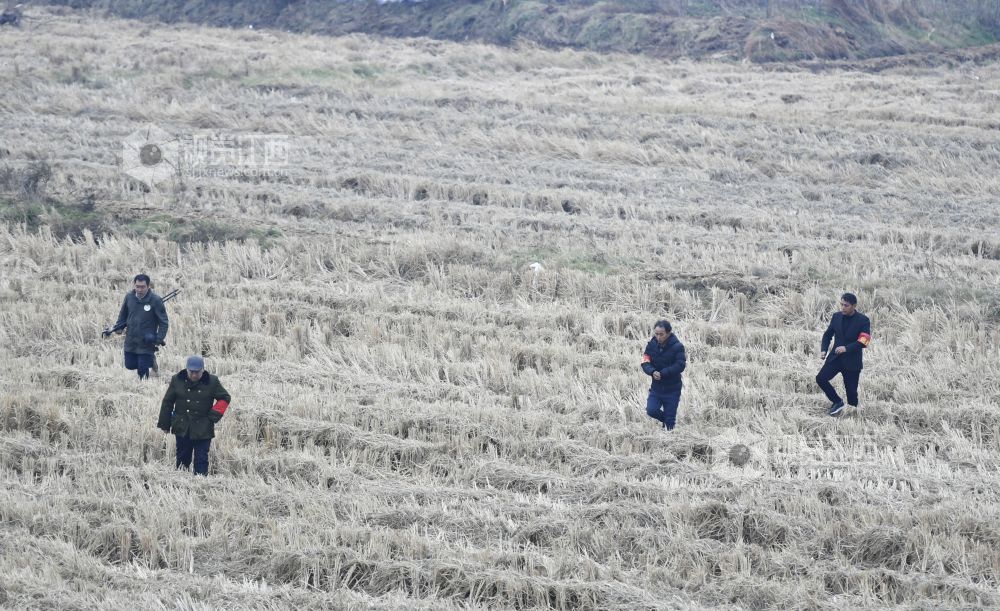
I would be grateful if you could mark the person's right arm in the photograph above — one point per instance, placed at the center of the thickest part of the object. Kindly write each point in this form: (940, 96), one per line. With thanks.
(825, 342)
(647, 364)
(166, 407)
(122, 317)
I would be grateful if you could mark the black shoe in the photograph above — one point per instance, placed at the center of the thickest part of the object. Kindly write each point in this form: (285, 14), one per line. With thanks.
(836, 408)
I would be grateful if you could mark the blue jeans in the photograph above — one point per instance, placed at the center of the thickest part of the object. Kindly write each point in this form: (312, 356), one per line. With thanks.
(199, 448)
(141, 362)
(668, 400)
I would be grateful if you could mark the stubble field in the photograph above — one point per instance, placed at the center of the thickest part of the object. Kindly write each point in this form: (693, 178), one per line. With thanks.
(421, 421)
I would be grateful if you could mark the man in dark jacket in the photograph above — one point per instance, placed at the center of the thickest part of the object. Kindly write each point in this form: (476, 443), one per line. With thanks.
(194, 402)
(851, 331)
(664, 360)
(144, 320)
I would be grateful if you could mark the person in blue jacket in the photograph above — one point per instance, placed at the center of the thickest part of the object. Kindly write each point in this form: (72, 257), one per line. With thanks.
(664, 360)
(851, 331)
(144, 320)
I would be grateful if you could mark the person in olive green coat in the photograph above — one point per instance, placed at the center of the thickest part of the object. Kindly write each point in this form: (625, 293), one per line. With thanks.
(194, 402)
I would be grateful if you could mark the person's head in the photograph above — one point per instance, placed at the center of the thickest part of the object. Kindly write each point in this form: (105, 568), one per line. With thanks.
(141, 284)
(662, 330)
(848, 304)
(195, 366)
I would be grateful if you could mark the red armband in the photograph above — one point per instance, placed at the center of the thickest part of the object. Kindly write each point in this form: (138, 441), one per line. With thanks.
(220, 407)
(864, 338)
(646, 359)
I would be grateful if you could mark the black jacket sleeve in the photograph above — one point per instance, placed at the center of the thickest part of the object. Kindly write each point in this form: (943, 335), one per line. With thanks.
(122, 315)
(222, 400)
(680, 363)
(161, 320)
(824, 345)
(166, 407)
(647, 362)
(866, 327)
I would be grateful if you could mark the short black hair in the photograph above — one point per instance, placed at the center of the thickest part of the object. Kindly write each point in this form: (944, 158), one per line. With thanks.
(662, 324)
(850, 298)
(141, 278)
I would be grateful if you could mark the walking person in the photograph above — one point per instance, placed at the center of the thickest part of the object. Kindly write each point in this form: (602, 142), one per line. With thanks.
(143, 318)
(663, 360)
(194, 402)
(851, 331)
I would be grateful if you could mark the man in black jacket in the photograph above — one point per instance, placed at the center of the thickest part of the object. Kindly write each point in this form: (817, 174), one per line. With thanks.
(144, 320)
(664, 360)
(195, 400)
(851, 331)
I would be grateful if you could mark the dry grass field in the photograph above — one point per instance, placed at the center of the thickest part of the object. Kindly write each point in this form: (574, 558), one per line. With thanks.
(419, 421)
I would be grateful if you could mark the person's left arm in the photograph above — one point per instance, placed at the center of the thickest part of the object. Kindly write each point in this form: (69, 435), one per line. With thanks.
(864, 337)
(221, 404)
(679, 364)
(161, 321)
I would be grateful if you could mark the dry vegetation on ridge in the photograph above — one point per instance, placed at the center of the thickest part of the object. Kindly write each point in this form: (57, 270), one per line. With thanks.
(417, 421)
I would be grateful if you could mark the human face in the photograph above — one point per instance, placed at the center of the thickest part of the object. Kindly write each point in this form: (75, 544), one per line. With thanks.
(195, 375)
(846, 308)
(140, 288)
(660, 334)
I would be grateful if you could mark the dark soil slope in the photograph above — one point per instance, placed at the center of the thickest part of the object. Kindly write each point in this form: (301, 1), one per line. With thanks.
(759, 30)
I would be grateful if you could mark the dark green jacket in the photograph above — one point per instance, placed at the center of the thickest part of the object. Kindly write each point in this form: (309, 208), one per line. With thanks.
(192, 408)
(145, 320)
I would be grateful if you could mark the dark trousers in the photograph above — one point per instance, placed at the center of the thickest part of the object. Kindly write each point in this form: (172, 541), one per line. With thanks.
(668, 400)
(829, 371)
(186, 447)
(141, 362)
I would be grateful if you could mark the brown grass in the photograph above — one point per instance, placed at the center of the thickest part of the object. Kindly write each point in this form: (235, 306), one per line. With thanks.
(419, 421)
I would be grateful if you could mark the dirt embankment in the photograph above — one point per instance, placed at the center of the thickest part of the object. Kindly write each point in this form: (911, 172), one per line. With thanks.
(758, 30)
